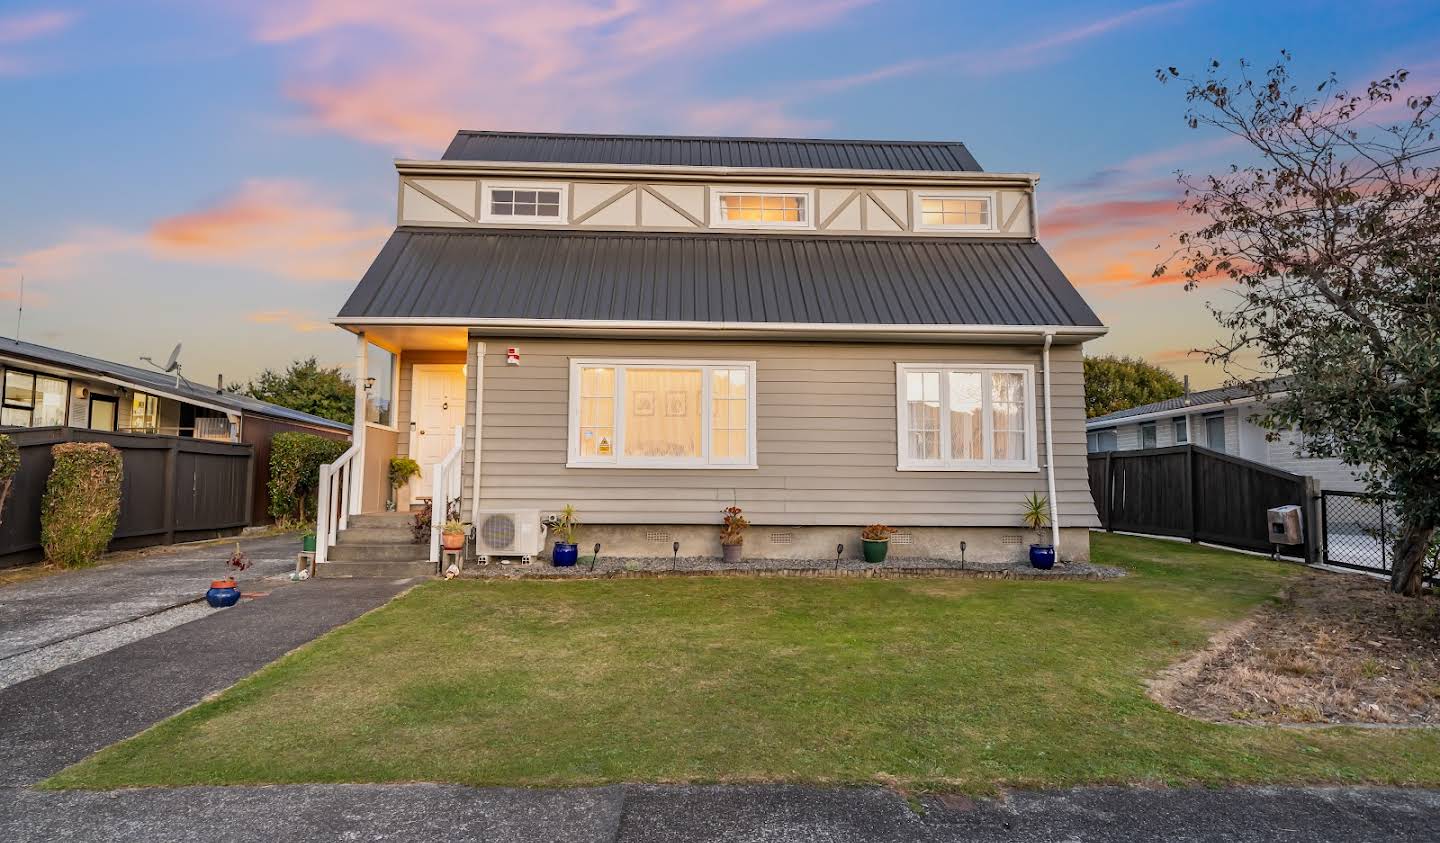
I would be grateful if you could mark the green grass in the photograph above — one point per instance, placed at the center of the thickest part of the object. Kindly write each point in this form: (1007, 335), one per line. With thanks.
(934, 683)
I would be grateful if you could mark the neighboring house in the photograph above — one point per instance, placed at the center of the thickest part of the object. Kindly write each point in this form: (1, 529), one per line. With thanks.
(825, 333)
(48, 387)
(1219, 419)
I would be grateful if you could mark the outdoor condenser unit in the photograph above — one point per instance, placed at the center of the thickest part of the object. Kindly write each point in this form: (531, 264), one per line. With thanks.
(508, 532)
(1286, 526)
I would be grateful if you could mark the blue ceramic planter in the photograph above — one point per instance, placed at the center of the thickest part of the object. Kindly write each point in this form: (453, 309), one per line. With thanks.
(1042, 556)
(564, 555)
(219, 598)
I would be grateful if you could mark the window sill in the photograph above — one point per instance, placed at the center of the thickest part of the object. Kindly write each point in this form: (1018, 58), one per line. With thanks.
(379, 426)
(987, 469)
(652, 467)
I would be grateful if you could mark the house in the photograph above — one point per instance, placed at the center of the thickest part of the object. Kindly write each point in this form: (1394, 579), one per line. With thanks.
(826, 333)
(1220, 419)
(49, 387)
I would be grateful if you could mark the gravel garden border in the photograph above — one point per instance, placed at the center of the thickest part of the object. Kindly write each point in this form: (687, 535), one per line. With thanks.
(620, 567)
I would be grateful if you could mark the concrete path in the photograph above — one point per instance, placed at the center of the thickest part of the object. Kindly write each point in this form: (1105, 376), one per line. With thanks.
(43, 611)
(652, 814)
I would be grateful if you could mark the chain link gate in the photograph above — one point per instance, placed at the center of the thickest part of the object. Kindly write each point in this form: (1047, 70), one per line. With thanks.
(1360, 533)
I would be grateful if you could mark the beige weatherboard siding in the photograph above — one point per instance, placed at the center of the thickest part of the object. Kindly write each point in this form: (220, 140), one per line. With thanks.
(825, 429)
(642, 203)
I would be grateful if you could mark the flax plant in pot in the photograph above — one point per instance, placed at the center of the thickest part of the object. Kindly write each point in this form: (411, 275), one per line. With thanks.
(564, 524)
(732, 534)
(1035, 512)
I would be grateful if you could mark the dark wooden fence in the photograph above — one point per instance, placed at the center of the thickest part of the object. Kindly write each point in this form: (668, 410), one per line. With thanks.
(1195, 493)
(173, 489)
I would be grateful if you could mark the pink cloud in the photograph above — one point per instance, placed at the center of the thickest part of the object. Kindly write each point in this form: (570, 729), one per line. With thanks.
(277, 226)
(288, 318)
(24, 27)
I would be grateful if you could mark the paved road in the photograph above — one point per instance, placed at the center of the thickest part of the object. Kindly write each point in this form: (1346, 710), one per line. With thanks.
(652, 814)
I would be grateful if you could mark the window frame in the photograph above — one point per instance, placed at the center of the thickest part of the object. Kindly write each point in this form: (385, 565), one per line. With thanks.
(1097, 435)
(918, 204)
(717, 217)
(904, 462)
(618, 460)
(34, 405)
(394, 423)
(1180, 430)
(1224, 434)
(1154, 429)
(489, 187)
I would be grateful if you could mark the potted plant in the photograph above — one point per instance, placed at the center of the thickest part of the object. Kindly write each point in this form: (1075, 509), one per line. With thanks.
(402, 469)
(452, 535)
(875, 541)
(1036, 515)
(732, 534)
(564, 524)
(225, 591)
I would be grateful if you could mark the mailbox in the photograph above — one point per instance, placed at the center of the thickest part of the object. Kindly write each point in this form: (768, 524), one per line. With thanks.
(1285, 525)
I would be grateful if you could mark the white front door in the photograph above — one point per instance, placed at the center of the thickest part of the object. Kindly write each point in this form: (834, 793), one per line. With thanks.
(437, 407)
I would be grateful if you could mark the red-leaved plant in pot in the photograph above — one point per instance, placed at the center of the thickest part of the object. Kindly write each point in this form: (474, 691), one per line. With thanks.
(226, 592)
(732, 534)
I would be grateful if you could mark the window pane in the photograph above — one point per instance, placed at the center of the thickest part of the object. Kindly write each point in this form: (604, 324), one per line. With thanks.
(729, 414)
(1007, 416)
(1182, 434)
(19, 389)
(766, 208)
(548, 210)
(49, 402)
(663, 413)
(380, 365)
(922, 398)
(967, 434)
(12, 417)
(597, 412)
(503, 195)
(526, 196)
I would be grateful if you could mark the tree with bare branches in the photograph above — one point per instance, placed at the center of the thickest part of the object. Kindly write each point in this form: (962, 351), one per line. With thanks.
(1331, 241)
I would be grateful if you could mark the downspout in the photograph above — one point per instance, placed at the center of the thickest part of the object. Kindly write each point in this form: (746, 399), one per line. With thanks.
(1050, 448)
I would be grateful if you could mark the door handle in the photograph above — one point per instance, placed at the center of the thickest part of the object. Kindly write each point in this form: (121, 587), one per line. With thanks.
(445, 406)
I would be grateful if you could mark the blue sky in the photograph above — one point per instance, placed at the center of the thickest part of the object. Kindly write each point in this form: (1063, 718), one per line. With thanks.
(220, 173)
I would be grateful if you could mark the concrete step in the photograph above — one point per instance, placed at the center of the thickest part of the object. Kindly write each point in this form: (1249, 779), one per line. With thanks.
(380, 519)
(379, 552)
(387, 570)
(375, 535)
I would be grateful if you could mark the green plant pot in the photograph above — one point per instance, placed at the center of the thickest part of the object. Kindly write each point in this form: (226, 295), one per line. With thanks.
(875, 551)
(307, 543)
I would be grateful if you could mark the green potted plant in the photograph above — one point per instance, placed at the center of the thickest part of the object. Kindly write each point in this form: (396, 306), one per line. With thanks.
(452, 535)
(564, 524)
(1036, 515)
(402, 469)
(732, 534)
(875, 541)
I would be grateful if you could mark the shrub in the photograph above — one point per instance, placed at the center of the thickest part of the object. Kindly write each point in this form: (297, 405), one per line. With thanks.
(732, 530)
(295, 460)
(82, 503)
(9, 465)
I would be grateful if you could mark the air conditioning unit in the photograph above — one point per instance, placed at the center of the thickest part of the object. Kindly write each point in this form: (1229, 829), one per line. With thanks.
(508, 532)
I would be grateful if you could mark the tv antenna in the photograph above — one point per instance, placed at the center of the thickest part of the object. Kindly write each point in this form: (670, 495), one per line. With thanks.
(171, 365)
(20, 311)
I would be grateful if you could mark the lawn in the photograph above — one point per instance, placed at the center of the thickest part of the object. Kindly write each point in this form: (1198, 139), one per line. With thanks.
(931, 683)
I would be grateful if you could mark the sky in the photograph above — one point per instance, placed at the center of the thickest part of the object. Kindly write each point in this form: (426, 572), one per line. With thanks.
(220, 173)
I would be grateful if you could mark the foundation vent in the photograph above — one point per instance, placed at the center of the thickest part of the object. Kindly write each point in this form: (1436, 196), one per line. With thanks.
(782, 538)
(1010, 539)
(657, 536)
(902, 538)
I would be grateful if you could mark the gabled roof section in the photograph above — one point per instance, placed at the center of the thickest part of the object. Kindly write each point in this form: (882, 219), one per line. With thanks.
(719, 279)
(1203, 398)
(157, 382)
(679, 150)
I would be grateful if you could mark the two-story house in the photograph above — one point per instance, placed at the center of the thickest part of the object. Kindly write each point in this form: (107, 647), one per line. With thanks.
(826, 333)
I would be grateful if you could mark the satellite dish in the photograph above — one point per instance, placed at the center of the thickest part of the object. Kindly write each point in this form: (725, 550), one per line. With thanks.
(171, 365)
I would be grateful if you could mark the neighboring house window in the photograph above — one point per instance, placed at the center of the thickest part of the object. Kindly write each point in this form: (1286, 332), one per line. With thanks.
(379, 393)
(1182, 431)
(756, 209)
(662, 414)
(1148, 435)
(954, 212)
(32, 400)
(1215, 431)
(144, 413)
(965, 418)
(1100, 441)
(523, 203)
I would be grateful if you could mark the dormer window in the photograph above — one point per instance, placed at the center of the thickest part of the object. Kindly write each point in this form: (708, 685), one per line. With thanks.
(523, 203)
(954, 212)
(762, 209)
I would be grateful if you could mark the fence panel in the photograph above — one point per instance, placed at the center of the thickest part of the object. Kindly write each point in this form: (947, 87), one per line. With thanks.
(1361, 531)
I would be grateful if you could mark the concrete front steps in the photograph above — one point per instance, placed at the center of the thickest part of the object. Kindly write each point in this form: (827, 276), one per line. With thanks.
(377, 545)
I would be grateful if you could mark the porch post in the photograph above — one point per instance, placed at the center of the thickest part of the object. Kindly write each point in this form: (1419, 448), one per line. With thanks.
(357, 436)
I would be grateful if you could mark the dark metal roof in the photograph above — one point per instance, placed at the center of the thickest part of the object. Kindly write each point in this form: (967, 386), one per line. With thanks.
(158, 381)
(803, 153)
(1219, 395)
(715, 278)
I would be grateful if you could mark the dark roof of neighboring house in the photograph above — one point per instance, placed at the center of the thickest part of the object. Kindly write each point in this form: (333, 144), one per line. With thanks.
(1218, 395)
(158, 381)
(715, 278)
(803, 153)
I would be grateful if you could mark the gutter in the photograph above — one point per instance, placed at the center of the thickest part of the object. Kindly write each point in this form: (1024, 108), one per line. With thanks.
(1050, 448)
(1213, 406)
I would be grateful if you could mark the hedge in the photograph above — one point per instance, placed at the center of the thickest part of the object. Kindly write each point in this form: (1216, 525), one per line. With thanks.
(82, 503)
(295, 460)
(9, 465)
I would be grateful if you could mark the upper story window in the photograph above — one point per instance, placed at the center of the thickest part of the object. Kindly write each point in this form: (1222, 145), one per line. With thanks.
(535, 203)
(954, 212)
(762, 209)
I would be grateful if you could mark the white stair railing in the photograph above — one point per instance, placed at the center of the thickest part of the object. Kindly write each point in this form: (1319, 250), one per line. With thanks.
(337, 499)
(445, 480)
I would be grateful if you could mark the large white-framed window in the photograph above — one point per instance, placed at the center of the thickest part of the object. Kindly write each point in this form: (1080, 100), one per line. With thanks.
(965, 417)
(762, 208)
(954, 210)
(524, 202)
(648, 413)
